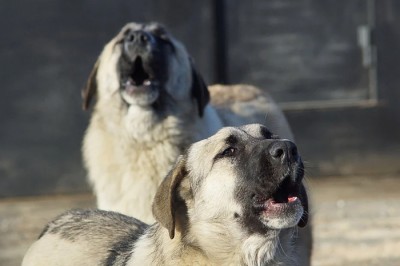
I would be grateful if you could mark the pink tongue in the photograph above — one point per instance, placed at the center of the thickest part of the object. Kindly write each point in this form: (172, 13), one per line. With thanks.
(291, 199)
(130, 88)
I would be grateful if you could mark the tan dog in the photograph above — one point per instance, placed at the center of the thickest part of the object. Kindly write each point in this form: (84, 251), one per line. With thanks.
(151, 104)
(235, 198)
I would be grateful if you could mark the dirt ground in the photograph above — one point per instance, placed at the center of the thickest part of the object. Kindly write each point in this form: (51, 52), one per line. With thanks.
(356, 221)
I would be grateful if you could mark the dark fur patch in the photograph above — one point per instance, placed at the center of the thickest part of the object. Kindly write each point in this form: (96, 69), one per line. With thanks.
(266, 133)
(121, 251)
(231, 140)
(44, 231)
(76, 224)
(259, 177)
(118, 232)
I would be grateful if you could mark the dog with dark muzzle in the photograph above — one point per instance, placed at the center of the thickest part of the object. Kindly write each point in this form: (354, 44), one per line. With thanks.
(235, 198)
(151, 104)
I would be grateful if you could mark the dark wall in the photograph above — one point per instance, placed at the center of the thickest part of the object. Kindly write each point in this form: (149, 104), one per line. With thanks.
(47, 49)
(363, 139)
(343, 108)
(301, 51)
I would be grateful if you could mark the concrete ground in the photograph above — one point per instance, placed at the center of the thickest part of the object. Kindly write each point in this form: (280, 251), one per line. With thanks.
(356, 221)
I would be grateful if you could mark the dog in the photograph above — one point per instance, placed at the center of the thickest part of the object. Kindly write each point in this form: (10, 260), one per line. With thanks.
(234, 198)
(151, 103)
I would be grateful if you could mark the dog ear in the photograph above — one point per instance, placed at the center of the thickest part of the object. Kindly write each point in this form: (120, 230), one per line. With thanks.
(304, 201)
(165, 200)
(90, 89)
(199, 90)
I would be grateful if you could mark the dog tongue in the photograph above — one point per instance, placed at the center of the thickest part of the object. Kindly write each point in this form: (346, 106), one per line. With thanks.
(130, 86)
(282, 199)
(291, 199)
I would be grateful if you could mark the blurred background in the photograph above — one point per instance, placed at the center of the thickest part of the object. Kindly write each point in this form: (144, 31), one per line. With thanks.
(332, 65)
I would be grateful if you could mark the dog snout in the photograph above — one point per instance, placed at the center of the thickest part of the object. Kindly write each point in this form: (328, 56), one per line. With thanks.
(138, 42)
(283, 151)
(138, 37)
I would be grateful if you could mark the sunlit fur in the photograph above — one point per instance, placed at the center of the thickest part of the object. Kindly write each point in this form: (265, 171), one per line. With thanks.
(128, 148)
(206, 231)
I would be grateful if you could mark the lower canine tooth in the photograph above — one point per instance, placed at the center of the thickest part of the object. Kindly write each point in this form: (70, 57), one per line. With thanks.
(147, 82)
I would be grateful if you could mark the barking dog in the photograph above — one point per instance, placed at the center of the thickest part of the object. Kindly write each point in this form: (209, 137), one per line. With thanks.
(151, 104)
(235, 198)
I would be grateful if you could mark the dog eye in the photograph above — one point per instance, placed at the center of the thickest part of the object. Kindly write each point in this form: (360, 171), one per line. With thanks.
(228, 152)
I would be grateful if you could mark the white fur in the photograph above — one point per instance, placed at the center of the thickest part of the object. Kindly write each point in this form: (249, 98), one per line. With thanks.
(128, 150)
(213, 236)
(51, 249)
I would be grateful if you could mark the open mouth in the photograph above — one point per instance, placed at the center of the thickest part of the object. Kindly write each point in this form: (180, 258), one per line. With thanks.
(287, 191)
(138, 76)
(137, 83)
(284, 208)
(283, 199)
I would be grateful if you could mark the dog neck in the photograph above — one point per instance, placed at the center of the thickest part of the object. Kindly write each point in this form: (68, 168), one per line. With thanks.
(228, 244)
(275, 248)
(156, 248)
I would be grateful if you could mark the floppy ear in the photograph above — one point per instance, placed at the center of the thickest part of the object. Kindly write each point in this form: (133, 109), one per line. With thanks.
(165, 200)
(304, 201)
(89, 91)
(199, 90)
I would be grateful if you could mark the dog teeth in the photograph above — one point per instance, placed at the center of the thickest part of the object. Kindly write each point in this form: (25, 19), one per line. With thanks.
(128, 82)
(147, 82)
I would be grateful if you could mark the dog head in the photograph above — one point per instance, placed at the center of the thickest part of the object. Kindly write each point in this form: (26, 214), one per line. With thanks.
(245, 178)
(145, 66)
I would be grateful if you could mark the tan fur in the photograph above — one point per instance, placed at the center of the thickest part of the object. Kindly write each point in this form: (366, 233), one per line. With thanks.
(223, 95)
(127, 150)
(194, 208)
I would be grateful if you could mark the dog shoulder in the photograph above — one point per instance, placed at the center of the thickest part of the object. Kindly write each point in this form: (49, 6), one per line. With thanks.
(93, 236)
(241, 99)
(224, 95)
(81, 223)
(245, 104)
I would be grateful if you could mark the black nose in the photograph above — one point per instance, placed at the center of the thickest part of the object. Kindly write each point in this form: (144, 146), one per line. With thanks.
(138, 37)
(283, 150)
